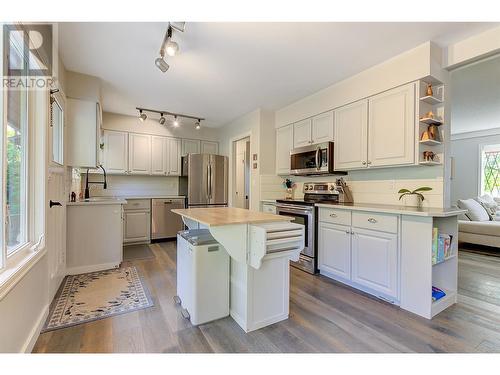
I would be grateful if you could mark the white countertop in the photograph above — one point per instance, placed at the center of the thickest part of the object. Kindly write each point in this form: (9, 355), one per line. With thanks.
(98, 201)
(268, 200)
(398, 210)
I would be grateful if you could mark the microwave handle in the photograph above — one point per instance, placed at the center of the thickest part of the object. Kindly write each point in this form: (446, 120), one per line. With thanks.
(318, 159)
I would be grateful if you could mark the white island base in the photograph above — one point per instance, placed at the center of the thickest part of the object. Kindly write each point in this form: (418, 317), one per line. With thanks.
(260, 246)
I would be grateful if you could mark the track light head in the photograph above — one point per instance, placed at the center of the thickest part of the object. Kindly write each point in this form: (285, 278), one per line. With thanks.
(171, 48)
(142, 116)
(161, 64)
(198, 126)
(176, 122)
(162, 120)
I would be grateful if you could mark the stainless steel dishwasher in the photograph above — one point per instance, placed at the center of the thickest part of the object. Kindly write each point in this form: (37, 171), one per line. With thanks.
(164, 223)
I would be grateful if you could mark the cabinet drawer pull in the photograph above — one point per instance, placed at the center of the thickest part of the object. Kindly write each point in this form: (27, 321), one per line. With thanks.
(348, 231)
(363, 162)
(369, 162)
(372, 220)
(333, 215)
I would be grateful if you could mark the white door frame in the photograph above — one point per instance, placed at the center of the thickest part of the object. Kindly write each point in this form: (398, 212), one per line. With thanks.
(231, 179)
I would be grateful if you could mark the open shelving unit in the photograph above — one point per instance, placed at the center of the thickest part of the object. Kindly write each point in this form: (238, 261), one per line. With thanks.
(430, 103)
(445, 273)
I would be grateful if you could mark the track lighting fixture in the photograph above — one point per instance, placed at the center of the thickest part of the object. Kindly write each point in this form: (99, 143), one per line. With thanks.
(169, 46)
(161, 63)
(163, 114)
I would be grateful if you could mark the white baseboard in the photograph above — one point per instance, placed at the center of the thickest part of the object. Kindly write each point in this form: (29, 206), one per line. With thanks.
(93, 268)
(35, 332)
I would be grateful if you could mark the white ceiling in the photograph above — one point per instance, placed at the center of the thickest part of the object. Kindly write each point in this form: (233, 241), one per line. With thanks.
(225, 70)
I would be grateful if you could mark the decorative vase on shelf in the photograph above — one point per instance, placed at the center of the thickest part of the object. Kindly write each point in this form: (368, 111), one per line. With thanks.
(429, 90)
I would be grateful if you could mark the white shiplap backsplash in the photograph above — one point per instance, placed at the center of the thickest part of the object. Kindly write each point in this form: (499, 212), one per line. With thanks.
(137, 186)
(372, 191)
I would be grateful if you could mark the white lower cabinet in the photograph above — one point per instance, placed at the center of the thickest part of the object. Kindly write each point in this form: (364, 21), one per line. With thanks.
(334, 246)
(365, 259)
(136, 227)
(375, 261)
(137, 221)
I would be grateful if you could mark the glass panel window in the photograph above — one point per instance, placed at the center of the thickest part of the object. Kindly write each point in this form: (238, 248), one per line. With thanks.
(16, 156)
(490, 170)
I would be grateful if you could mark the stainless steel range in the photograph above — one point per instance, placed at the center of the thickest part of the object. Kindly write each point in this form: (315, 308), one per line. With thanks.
(304, 212)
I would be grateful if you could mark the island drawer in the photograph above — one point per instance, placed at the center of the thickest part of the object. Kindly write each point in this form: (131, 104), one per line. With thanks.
(335, 216)
(376, 221)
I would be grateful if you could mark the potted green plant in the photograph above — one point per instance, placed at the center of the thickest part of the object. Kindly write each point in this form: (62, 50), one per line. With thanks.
(413, 198)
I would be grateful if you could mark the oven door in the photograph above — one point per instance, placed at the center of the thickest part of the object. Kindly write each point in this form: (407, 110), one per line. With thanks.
(310, 160)
(301, 215)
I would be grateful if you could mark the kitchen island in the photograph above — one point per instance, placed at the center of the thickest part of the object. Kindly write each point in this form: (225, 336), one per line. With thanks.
(260, 246)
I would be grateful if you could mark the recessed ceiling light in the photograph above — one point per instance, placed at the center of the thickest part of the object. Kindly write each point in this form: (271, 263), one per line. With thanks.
(142, 116)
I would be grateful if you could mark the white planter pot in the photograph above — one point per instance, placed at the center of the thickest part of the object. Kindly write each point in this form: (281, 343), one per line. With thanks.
(412, 200)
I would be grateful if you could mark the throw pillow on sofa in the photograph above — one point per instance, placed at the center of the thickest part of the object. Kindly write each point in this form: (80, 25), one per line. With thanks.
(475, 211)
(489, 204)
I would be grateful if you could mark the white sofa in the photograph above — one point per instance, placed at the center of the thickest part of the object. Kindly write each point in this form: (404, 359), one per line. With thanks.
(481, 224)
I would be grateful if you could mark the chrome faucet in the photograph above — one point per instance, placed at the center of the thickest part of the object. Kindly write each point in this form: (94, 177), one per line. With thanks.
(87, 182)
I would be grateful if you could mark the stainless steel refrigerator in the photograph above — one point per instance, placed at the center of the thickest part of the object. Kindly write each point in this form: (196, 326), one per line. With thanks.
(204, 180)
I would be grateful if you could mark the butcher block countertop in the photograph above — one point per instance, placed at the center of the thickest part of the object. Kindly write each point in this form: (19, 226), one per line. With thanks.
(228, 216)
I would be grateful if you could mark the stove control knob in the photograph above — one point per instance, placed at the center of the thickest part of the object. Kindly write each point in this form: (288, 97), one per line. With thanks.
(331, 187)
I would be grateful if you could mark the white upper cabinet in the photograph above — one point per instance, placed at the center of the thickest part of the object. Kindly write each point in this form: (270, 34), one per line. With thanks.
(190, 146)
(139, 153)
(391, 119)
(351, 136)
(173, 156)
(317, 129)
(302, 133)
(158, 155)
(209, 147)
(115, 152)
(83, 133)
(284, 143)
(375, 260)
(322, 128)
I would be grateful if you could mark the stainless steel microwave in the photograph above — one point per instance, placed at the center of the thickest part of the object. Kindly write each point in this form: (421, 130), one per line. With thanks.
(313, 160)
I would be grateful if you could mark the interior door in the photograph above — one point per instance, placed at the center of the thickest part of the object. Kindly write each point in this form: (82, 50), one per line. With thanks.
(198, 179)
(239, 174)
(56, 228)
(218, 179)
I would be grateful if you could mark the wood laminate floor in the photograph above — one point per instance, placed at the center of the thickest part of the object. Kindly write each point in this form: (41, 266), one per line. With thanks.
(325, 316)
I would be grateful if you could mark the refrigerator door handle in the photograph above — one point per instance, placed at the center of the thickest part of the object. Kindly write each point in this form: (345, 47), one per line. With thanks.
(210, 181)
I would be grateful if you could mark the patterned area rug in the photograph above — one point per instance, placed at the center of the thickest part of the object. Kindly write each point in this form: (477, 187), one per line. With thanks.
(97, 295)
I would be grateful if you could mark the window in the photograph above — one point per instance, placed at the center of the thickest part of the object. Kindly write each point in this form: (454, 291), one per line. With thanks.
(15, 154)
(490, 170)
